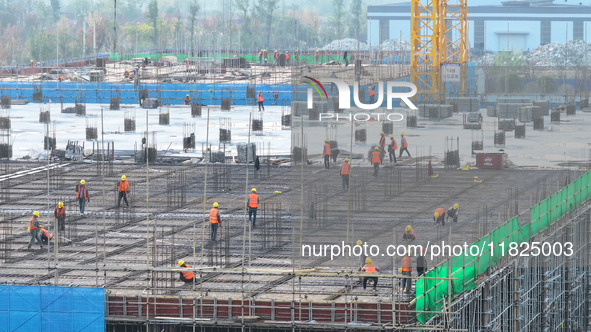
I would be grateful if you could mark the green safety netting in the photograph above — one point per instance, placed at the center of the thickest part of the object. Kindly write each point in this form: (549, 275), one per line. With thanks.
(248, 57)
(465, 268)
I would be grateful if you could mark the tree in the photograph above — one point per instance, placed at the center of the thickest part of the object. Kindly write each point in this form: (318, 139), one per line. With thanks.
(265, 9)
(153, 16)
(356, 13)
(243, 7)
(55, 5)
(193, 10)
(337, 16)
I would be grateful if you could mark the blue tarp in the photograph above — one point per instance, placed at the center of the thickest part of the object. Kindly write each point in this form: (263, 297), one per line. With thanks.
(49, 308)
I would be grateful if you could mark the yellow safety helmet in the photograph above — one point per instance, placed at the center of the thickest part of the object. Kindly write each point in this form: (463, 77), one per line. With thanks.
(36, 213)
(456, 206)
(391, 136)
(346, 159)
(436, 215)
(181, 262)
(326, 139)
(400, 270)
(123, 178)
(215, 204)
(408, 228)
(60, 204)
(368, 260)
(401, 134)
(359, 242)
(381, 133)
(254, 189)
(187, 95)
(377, 148)
(82, 182)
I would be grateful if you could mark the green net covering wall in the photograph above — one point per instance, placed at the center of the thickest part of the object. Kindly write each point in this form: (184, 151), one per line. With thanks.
(432, 293)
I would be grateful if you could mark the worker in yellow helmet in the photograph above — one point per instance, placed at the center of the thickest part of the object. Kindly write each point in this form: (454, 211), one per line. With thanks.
(326, 153)
(345, 173)
(188, 275)
(370, 268)
(376, 160)
(34, 230)
(409, 234)
(439, 216)
(60, 216)
(123, 190)
(82, 196)
(214, 220)
(382, 145)
(403, 146)
(187, 100)
(252, 204)
(453, 212)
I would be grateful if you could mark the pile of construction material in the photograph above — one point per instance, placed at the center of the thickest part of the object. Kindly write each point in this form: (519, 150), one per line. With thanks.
(464, 104)
(571, 53)
(435, 111)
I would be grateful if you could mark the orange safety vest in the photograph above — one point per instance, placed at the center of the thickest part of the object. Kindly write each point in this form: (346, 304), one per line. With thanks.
(123, 186)
(187, 100)
(31, 223)
(46, 233)
(260, 54)
(276, 55)
(370, 92)
(393, 145)
(345, 169)
(441, 211)
(326, 149)
(375, 157)
(286, 56)
(213, 216)
(59, 212)
(78, 193)
(382, 141)
(260, 99)
(403, 142)
(253, 201)
(370, 268)
(188, 274)
(409, 234)
(406, 264)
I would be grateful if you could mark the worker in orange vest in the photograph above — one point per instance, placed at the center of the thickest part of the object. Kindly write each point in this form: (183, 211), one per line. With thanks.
(345, 171)
(276, 56)
(252, 204)
(186, 276)
(287, 57)
(406, 270)
(409, 234)
(215, 220)
(123, 190)
(34, 230)
(45, 235)
(260, 99)
(439, 216)
(382, 145)
(369, 267)
(376, 160)
(326, 154)
(403, 146)
(371, 94)
(82, 196)
(392, 148)
(187, 100)
(60, 215)
(260, 57)
(265, 56)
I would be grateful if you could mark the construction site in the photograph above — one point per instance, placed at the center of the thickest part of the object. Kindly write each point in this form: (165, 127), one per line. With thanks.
(191, 135)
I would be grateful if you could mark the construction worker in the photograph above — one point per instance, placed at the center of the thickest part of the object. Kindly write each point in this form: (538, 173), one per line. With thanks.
(406, 269)
(34, 230)
(439, 216)
(123, 190)
(421, 263)
(317, 56)
(409, 234)
(453, 212)
(345, 171)
(186, 276)
(297, 56)
(370, 94)
(326, 154)
(265, 56)
(260, 99)
(370, 268)
(362, 256)
(187, 100)
(403, 146)
(346, 59)
(260, 57)
(82, 195)
(45, 235)
(376, 160)
(60, 216)
(286, 57)
(382, 145)
(392, 147)
(252, 204)
(215, 220)
(276, 56)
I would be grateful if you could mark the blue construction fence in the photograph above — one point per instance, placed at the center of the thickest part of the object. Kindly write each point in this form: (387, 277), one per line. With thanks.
(169, 93)
(50, 308)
